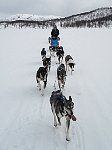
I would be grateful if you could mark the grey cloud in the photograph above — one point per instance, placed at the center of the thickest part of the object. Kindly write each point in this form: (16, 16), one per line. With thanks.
(50, 7)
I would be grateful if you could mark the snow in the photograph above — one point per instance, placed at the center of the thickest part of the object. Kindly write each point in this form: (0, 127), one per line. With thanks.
(26, 120)
(29, 17)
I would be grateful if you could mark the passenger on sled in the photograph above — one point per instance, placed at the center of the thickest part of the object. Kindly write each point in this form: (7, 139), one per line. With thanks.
(54, 45)
(54, 41)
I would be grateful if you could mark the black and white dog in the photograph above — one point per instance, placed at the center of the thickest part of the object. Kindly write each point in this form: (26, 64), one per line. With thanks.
(60, 107)
(43, 53)
(53, 50)
(47, 62)
(61, 76)
(60, 54)
(41, 75)
(69, 63)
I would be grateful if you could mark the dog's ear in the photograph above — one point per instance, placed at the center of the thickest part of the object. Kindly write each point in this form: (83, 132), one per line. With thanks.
(70, 98)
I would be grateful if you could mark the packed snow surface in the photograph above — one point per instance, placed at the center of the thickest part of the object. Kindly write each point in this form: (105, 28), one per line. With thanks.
(26, 120)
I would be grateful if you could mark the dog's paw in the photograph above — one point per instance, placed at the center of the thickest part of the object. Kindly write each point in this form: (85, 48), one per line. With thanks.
(60, 124)
(42, 94)
(67, 139)
(55, 124)
(73, 118)
(39, 89)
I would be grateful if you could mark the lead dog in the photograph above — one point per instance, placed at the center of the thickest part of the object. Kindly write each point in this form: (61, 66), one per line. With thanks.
(61, 107)
(69, 63)
(47, 62)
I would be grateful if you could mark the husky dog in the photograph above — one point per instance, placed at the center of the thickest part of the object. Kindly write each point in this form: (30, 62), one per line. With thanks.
(60, 107)
(69, 63)
(47, 62)
(43, 53)
(61, 75)
(53, 50)
(41, 75)
(60, 54)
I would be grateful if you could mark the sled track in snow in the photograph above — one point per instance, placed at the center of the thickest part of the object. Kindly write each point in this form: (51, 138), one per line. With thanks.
(79, 137)
(58, 133)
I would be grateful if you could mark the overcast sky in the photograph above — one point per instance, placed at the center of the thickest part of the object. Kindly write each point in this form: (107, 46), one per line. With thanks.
(50, 7)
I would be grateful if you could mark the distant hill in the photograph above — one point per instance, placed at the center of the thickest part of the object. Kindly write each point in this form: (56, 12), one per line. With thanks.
(28, 17)
(96, 18)
(92, 18)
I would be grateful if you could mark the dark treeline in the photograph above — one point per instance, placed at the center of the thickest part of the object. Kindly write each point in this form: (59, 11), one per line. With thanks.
(98, 22)
(27, 23)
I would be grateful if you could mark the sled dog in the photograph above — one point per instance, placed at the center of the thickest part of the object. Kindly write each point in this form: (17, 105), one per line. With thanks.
(61, 107)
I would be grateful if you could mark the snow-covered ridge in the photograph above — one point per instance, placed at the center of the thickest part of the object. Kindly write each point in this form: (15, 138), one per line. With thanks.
(95, 14)
(29, 17)
(95, 18)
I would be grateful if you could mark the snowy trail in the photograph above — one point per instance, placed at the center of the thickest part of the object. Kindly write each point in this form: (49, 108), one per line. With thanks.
(26, 120)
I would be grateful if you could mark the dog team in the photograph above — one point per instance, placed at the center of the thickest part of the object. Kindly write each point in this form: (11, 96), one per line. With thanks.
(60, 105)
